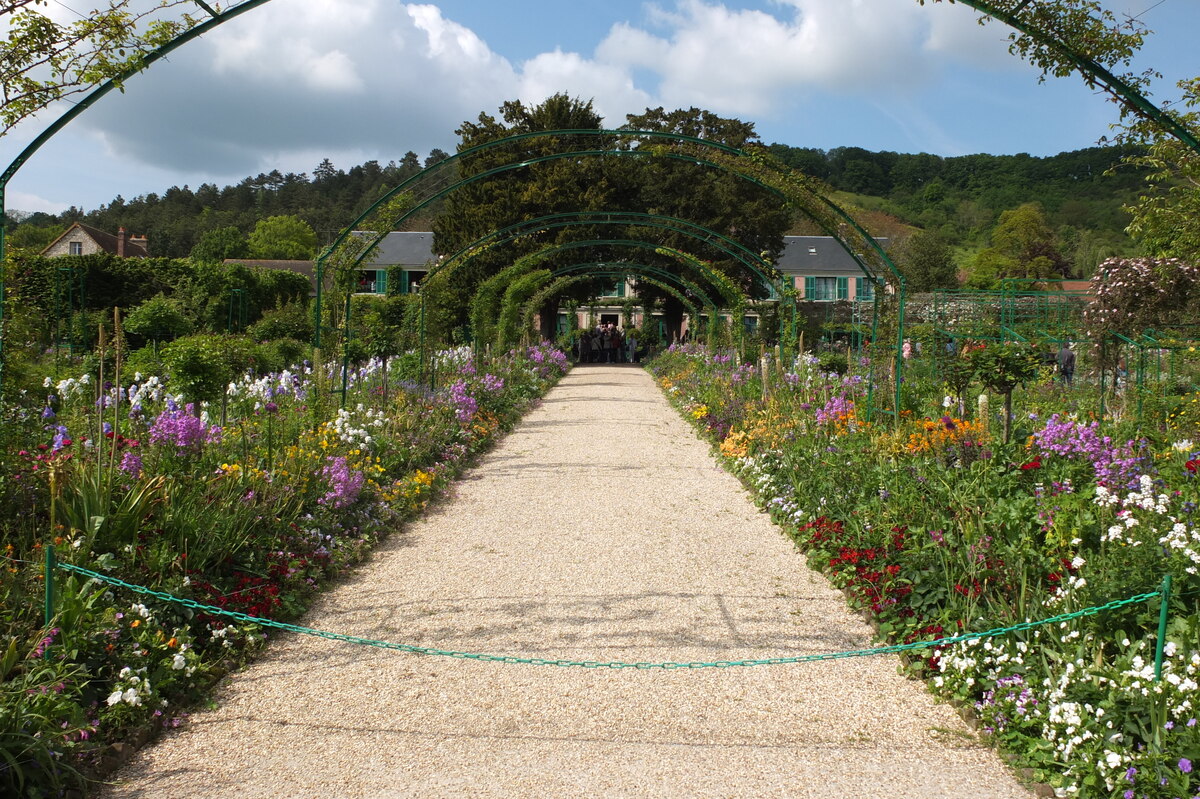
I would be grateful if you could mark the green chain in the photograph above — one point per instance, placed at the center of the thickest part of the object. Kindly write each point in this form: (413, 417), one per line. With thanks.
(589, 664)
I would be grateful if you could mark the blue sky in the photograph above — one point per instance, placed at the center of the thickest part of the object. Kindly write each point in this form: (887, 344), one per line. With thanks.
(300, 80)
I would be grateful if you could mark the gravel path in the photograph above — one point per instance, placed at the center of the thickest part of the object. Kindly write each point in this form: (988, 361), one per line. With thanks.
(600, 529)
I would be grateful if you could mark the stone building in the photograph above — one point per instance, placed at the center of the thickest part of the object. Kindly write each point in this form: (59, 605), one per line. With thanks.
(80, 239)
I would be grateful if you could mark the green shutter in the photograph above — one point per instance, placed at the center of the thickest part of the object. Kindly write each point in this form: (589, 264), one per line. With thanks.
(810, 288)
(843, 288)
(381, 281)
(858, 289)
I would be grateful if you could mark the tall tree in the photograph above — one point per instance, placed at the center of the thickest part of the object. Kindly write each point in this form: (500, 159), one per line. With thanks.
(283, 237)
(220, 243)
(926, 261)
(1166, 218)
(539, 189)
(716, 199)
(1023, 246)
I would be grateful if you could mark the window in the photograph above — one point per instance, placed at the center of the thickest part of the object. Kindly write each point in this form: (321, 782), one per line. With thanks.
(76, 248)
(812, 250)
(826, 289)
(412, 281)
(864, 290)
(617, 290)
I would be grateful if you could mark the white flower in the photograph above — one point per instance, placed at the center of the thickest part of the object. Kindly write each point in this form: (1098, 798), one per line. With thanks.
(113, 698)
(1183, 446)
(131, 697)
(178, 662)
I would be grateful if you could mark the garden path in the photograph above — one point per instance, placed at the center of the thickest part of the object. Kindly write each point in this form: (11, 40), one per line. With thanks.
(601, 528)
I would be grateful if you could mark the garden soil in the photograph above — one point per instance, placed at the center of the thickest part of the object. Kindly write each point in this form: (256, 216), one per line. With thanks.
(601, 529)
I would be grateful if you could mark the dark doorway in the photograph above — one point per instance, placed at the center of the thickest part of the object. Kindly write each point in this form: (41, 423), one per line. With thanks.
(609, 318)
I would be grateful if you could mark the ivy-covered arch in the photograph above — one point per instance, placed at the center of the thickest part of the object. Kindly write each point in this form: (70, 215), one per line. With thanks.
(487, 302)
(801, 192)
(567, 277)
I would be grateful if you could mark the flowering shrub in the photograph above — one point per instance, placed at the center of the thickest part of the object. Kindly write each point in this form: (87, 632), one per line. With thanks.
(249, 505)
(936, 527)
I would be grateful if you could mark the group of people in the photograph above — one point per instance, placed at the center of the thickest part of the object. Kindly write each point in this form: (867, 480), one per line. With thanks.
(607, 344)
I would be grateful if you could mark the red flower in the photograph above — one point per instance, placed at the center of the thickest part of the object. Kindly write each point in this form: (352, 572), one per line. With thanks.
(1036, 463)
(1193, 465)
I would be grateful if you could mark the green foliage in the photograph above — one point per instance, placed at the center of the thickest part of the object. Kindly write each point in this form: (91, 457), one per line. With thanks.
(927, 262)
(1166, 217)
(221, 243)
(56, 286)
(291, 321)
(1022, 246)
(508, 332)
(201, 366)
(158, 319)
(45, 61)
(283, 238)
(33, 238)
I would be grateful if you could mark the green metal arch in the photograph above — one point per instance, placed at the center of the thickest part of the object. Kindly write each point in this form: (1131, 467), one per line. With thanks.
(359, 249)
(564, 281)
(754, 262)
(1092, 71)
(730, 291)
(608, 268)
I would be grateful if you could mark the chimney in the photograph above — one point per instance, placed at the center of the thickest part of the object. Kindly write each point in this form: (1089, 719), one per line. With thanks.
(121, 243)
(143, 241)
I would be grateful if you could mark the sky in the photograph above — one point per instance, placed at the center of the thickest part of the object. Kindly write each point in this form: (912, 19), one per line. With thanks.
(296, 81)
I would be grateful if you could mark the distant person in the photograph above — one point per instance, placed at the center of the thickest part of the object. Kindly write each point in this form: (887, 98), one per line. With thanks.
(631, 346)
(1066, 364)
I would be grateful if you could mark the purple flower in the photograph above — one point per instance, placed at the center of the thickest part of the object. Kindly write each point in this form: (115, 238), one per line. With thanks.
(61, 438)
(131, 464)
(1129, 775)
(464, 404)
(183, 429)
(1185, 765)
(345, 483)
(47, 412)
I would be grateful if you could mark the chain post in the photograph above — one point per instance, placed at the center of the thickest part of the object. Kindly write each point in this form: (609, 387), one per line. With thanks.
(51, 565)
(1162, 626)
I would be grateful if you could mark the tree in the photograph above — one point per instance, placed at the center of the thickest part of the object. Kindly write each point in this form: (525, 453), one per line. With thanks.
(1023, 246)
(563, 185)
(221, 243)
(1166, 218)
(42, 61)
(157, 319)
(283, 238)
(927, 263)
(713, 198)
(436, 156)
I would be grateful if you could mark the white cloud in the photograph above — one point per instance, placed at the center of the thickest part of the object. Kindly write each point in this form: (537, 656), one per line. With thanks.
(31, 203)
(610, 86)
(298, 80)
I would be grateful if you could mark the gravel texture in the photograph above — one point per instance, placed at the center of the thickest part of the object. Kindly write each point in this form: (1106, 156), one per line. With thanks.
(603, 529)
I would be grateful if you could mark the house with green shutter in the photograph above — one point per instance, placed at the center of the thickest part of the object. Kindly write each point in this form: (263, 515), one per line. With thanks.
(398, 264)
(823, 271)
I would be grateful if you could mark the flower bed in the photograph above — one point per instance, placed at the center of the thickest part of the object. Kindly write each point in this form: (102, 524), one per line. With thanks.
(250, 505)
(935, 527)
